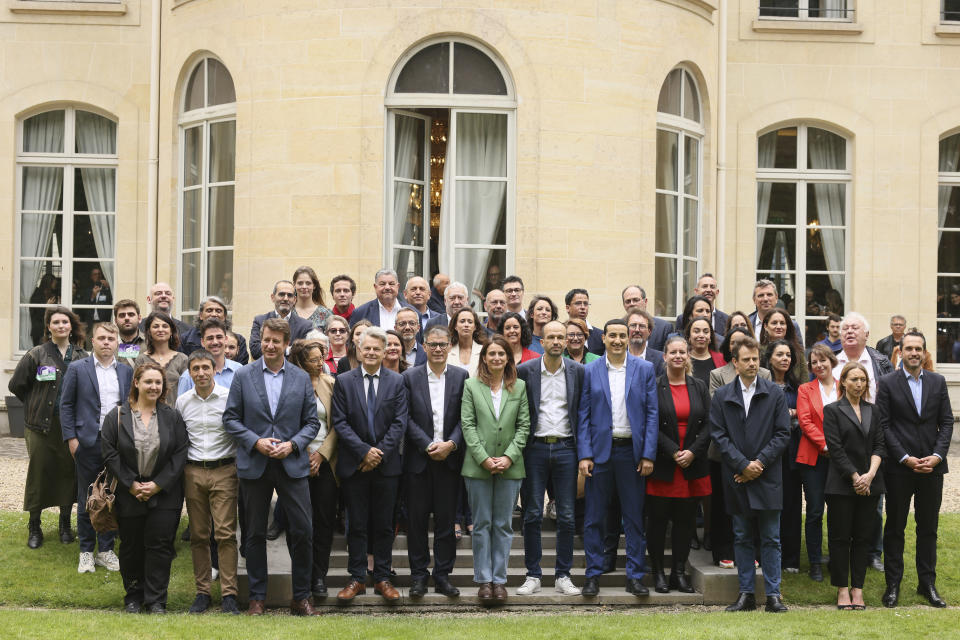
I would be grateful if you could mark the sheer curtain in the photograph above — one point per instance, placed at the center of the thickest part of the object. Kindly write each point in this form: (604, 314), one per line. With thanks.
(949, 156)
(833, 8)
(766, 153)
(829, 152)
(406, 155)
(97, 135)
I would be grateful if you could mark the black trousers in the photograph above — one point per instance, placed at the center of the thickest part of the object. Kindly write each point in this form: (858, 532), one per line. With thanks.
(791, 518)
(146, 553)
(926, 492)
(369, 495)
(295, 494)
(849, 537)
(683, 513)
(721, 524)
(433, 490)
(324, 494)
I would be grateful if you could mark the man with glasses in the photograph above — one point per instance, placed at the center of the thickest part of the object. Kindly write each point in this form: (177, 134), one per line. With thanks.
(578, 306)
(634, 296)
(898, 326)
(513, 288)
(284, 296)
(408, 326)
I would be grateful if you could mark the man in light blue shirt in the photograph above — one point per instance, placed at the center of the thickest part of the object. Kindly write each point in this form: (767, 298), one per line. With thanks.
(213, 337)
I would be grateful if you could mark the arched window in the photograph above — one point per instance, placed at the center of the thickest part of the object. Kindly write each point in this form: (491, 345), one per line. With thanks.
(948, 253)
(451, 168)
(66, 210)
(208, 131)
(680, 133)
(803, 200)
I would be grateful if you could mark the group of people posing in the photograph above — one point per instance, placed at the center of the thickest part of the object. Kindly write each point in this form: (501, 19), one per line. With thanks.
(411, 405)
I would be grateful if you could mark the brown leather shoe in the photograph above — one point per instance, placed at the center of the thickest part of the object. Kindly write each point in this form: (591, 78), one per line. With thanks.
(389, 593)
(255, 608)
(302, 608)
(499, 593)
(485, 593)
(351, 591)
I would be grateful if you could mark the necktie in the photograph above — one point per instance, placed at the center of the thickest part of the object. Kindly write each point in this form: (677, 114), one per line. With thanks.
(371, 408)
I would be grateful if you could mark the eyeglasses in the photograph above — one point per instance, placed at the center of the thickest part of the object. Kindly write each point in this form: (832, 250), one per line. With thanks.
(284, 294)
(409, 323)
(574, 336)
(513, 290)
(340, 330)
(436, 345)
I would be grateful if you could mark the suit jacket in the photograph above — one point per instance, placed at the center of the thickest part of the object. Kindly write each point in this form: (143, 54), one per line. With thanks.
(299, 328)
(486, 436)
(595, 422)
(80, 399)
(720, 320)
(120, 457)
(908, 433)
(419, 430)
(243, 356)
(421, 355)
(328, 449)
(655, 358)
(697, 437)
(658, 336)
(247, 418)
(852, 443)
(595, 341)
(810, 417)
(350, 421)
(371, 311)
(441, 319)
(762, 435)
(529, 372)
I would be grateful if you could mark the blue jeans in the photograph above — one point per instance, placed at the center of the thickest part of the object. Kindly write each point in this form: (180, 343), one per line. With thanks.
(814, 481)
(491, 501)
(543, 461)
(767, 523)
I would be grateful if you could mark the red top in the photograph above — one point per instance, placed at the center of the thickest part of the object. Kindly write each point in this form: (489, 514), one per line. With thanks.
(679, 487)
(344, 314)
(527, 354)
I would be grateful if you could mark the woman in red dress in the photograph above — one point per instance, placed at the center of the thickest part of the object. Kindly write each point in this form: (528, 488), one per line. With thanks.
(681, 472)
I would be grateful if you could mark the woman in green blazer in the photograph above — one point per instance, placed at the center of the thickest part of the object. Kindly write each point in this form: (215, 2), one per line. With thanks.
(495, 421)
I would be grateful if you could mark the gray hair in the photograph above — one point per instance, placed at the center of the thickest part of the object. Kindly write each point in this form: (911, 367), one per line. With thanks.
(374, 332)
(279, 282)
(853, 315)
(316, 334)
(455, 285)
(643, 293)
(385, 272)
(763, 283)
(898, 317)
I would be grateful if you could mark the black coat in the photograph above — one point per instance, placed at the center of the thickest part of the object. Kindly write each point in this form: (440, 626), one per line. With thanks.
(697, 438)
(908, 433)
(419, 431)
(851, 444)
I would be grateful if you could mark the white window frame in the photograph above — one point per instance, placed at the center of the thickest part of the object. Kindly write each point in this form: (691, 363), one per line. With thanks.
(944, 179)
(803, 12)
(69, 161)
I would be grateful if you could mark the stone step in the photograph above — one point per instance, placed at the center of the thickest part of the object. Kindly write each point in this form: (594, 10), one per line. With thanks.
(464, 557)
(548, 541)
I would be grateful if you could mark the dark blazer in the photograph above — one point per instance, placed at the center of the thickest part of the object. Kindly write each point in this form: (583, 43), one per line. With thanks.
(243, 356)
(442, 320)
(350, 421)
(247, 418)
(720, 320)
(881, 364)
(421, 356)
(529, 372)
(851, 444)
(655, 358)
(595, 341)
(299, 328)
(120, 457)
(371, 311)
(661, 331)
(697, 437)
(762, 435)
(904, 430)
(419, 431)
(80, 399)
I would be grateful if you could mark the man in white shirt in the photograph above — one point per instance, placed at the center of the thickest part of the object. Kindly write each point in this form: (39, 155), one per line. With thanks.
(854, 331)
(213, 338)
(210, 482)
(382, 310)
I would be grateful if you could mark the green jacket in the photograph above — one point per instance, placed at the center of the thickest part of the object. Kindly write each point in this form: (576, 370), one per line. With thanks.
(485, 436)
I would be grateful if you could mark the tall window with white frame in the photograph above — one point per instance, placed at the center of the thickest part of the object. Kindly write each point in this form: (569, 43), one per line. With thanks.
(807, 9)
(208, 131)
(680, 134)
(450, 165)
(803, 199)
(66, 213)
(948, 253)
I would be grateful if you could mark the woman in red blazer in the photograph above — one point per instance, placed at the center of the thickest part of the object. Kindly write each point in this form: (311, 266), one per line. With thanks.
(812, 455)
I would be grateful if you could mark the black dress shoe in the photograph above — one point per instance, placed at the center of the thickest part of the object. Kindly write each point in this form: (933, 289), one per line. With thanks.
(319, 588)
(891, 596)
(200, 604)
(132, 607)
(229, 605)
(273, 532)
(636, 587)
(34, 533)
(418, 588)
(156, 608)
(443, 586)
(591, 588)
(695, 542)
(679, 581)
(775, 605)
(66, 533)
(929, 592)
(660, 584)
(745, 602)
(816, 573)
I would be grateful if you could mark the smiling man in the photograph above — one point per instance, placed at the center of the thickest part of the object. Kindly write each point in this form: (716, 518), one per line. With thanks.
(284, 296)
(382, 310)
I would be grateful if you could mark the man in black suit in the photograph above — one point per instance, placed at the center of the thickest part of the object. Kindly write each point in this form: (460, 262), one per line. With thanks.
(708, 288)
(284, 296)
(634, 296)
(382, 310)
(370, 417)
(578, 306)
(455, 297)
(431, 461)
(917, 424)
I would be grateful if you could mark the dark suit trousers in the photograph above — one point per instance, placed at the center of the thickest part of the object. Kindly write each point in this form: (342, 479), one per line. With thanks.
(849, 534)
(926, 492)
(324, 494)
(432, 490)
(369, 496)
(791, 518)
(89, 463)
(295, 495)
(146, 553)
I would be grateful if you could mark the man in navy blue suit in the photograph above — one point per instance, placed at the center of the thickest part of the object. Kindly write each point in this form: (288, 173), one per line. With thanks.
(284, 297)
(370, 417)
(272, 414)
(382, 310)
(616, 444)
(91, 388)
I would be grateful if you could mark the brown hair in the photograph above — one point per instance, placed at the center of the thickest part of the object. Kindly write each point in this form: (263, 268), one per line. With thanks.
(317, 289)
(746, 343)
(823, 351)
(134, 396)
(849, 368)
(509, 371)
(123, 304)
(277, 325)
(479, 335)
(743, 315)
(78, 333)
(174, 340)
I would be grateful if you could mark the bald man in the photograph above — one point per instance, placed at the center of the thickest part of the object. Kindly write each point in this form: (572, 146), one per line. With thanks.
(160, 297)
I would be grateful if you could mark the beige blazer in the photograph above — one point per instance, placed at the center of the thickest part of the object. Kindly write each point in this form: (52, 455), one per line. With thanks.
(453, 358)
(328, 449)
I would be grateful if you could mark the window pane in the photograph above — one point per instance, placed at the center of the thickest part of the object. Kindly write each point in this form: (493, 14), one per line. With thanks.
(93, 295)
(481, 144)
(407, 263)
(691, 99)
(43, 133)
(951, 10)
(666, 235)
(191, 281)
(778, 149)
(667, 159)
(825, 250)
(824, 295)
(689, 280)
(223, 151)
(40, 281)
(665, 289)
(785, 283)
(669, 100)
(31, 328)
(826, 204)
(41, 235)
(194, 95)
(220, 84)
(95, 190)
(481, 212)
(948, 297)
(949, 212)
(777, 203)
(93, 236)
(474, 72)
(691, 166)
(428, 71)
(408, 147)
(192, 160)
(220, 230)
(948, 258)
(691, 227)
(950, 151)
(408, 214)
(828, 9)
(825, 150)
(191, 219)
(220, 274)
(779, 8)
(95, 134)
(42, 189)
(777, 249)
(948, 339)
(474, 265)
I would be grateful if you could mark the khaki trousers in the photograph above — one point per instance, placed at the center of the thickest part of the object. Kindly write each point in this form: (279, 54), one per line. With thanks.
(211, 496)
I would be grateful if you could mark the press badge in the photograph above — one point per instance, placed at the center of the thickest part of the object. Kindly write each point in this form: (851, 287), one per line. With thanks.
(46, 374)
(129, 351)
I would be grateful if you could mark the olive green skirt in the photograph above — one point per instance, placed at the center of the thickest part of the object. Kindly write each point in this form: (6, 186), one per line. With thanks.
(51, 474)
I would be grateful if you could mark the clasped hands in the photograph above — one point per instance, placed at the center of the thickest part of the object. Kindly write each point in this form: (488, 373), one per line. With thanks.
(645, 467)
(439, 451)
(274, 448)
(143, 491)
(861, 483)
(371, 459)
(497, 465)
(922, 465)
(750, 472)
(683, 458)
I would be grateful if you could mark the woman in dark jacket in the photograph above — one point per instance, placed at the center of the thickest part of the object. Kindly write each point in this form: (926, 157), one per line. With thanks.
(681, 472)
(144, 445)
(51, 475)
(851, 427)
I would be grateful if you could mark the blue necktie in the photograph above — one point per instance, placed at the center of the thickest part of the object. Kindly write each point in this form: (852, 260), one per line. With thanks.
(371, 408)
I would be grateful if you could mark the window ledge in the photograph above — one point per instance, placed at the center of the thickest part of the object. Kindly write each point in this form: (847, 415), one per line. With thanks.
(827, 27)
(67, 8)
(947, 29)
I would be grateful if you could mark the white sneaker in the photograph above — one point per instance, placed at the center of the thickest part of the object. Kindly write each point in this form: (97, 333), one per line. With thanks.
(214, 574)
(529, 587)
(108, 560)
(565, 586)
(86, 563)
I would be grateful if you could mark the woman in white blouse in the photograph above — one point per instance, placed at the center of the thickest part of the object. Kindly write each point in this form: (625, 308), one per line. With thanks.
(468, 338)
